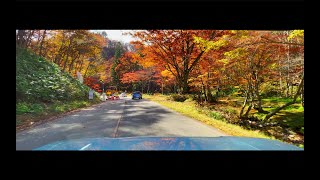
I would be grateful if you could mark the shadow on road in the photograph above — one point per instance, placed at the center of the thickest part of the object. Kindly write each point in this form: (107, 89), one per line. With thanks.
(146, 118)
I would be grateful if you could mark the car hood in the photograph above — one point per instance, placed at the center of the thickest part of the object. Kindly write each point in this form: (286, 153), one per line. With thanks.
(170, 143)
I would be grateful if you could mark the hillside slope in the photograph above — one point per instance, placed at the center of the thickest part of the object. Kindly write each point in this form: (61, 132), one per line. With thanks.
(43, 90)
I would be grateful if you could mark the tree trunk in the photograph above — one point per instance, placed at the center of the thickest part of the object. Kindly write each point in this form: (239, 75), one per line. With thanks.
(217, 91)
(85, 73)
(205, 94)
(148, 87)
(21, 41)
(68, 51)
(280, 78)
(142, 87)
(184, 85)
(28, 42)
(72, 62)
(259, 104)
(280, 83)
(200, 96)
(59, 62)
(251, 95)
(248, 110)
(162, 87)
(81, 63)
(58, 56)
(41, 43)
(302, 96)
(287, 90)
(268, 116)
(204, 91)
(209, 94)
(288, 75)
(244, 104)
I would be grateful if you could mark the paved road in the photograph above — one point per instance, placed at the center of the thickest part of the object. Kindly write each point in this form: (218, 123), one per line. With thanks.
(121, 118)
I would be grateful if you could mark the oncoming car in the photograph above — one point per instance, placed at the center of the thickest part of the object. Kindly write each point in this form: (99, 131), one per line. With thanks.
(123, 94)
(137, 95)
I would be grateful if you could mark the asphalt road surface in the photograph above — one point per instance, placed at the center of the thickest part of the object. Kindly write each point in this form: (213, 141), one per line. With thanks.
(118, 118)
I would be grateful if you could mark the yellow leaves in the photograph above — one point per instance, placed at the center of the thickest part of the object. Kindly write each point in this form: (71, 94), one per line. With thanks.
(296, 34)
(78, 41)
(273, 66)
(240, 33)
(205, 45)
(236, 53)
(224, 61)
(147, 63)
(166, 73)
(218, 44)
(233, 31)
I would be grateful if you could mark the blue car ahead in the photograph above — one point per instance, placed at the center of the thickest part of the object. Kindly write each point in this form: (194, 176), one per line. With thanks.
(137, 95)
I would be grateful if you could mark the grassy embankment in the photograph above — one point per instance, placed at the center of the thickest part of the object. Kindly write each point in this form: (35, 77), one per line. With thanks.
(43, 91)
(223, 115)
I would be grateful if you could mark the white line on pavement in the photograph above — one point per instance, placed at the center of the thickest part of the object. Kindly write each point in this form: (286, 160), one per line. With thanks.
(85, 146)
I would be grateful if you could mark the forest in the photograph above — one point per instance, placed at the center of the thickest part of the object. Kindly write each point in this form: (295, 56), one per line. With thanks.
(254, 79)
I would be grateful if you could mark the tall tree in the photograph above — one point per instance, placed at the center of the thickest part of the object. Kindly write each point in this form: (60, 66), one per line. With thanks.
(114, 72)
(181, 50)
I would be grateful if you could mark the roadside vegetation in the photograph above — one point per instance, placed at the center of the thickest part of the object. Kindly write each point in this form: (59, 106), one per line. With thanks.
(44, 91)
(287, 126)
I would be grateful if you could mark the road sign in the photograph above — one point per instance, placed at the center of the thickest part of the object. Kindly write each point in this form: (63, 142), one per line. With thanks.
(91, 94)
(80, 78)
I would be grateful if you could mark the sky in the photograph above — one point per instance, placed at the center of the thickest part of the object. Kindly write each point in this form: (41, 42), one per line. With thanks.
(117, 35)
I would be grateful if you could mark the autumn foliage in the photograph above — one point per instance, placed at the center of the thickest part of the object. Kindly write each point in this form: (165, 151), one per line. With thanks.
(205, 63)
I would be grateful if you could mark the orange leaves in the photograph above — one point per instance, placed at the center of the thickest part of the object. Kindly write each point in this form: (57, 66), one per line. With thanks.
(166, 74)
(130, 77)
(136, 76)
(93, 83)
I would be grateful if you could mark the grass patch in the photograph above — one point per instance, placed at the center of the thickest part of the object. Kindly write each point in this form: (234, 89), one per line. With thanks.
(216, 115)
(224, 116)
(291, 119)
(278, 101)
(189, 108)
(23, 107)
(178, 97)
(63, 107)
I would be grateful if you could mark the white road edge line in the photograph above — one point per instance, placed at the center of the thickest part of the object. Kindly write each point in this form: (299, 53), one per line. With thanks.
(85, 146)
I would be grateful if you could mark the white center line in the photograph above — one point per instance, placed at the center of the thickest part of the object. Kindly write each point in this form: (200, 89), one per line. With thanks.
(85, 146)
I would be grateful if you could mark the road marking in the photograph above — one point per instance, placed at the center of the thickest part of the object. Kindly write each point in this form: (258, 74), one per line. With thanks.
(85, 146)
(117, 127)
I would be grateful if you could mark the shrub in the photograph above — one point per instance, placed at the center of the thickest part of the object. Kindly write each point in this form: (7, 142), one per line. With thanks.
(269, 90)
(37, 108)
(230, 111)
(216, 115)
(178, 97)
(301, 130)
(22, 108)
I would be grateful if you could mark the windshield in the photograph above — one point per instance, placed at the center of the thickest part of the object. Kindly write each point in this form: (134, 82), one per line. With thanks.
(160, 89)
